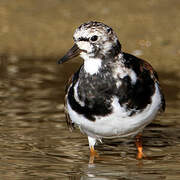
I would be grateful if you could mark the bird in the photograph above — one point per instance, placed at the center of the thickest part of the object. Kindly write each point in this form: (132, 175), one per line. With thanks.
(113, 93)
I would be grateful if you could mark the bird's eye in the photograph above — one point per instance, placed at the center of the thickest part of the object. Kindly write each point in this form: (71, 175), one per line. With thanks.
(94, 38)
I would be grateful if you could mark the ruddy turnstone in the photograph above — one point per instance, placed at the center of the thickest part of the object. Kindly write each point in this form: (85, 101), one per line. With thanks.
(113, 94)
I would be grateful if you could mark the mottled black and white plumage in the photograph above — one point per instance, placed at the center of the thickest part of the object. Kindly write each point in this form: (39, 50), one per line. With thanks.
(113, 94)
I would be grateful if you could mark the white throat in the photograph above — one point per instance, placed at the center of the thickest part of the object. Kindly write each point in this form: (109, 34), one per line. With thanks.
(91, 65)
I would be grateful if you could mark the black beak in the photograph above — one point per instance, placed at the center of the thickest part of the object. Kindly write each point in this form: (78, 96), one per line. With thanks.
(73, 52)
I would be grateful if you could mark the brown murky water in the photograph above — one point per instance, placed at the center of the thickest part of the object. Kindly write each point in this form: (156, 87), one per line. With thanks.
(35, 143)
(34, 140)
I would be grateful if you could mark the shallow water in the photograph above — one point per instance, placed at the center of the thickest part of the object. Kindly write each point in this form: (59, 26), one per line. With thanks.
(34, 140)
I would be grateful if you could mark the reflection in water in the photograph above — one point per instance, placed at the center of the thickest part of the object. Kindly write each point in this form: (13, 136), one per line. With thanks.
(35, 142)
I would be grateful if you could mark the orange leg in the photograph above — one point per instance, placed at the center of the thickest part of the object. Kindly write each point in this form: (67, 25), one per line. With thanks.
(140, 154)
(93, 154)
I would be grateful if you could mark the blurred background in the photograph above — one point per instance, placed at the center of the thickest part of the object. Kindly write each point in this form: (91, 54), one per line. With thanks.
(34, 139)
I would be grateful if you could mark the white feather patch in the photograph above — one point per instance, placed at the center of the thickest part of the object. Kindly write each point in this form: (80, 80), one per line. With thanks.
(85, 45)
(92, 141)
(120, 71)
(91, 65)
(133, 76)
(76, 95)
(107, 46)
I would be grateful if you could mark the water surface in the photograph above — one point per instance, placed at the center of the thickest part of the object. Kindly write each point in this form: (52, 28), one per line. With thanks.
(34, 140)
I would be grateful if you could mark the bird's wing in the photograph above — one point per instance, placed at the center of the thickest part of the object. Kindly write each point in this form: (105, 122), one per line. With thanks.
(69, 122)
(144, 87)
(147, 66)
(72, 80)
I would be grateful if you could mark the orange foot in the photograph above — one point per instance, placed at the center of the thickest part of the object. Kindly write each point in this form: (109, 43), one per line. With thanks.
(93, 154)
(140, 154)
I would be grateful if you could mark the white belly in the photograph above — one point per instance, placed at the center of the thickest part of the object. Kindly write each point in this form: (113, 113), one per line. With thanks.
(118, 123)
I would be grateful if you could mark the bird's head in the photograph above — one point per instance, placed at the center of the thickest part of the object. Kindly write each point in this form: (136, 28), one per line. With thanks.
(93, 39)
